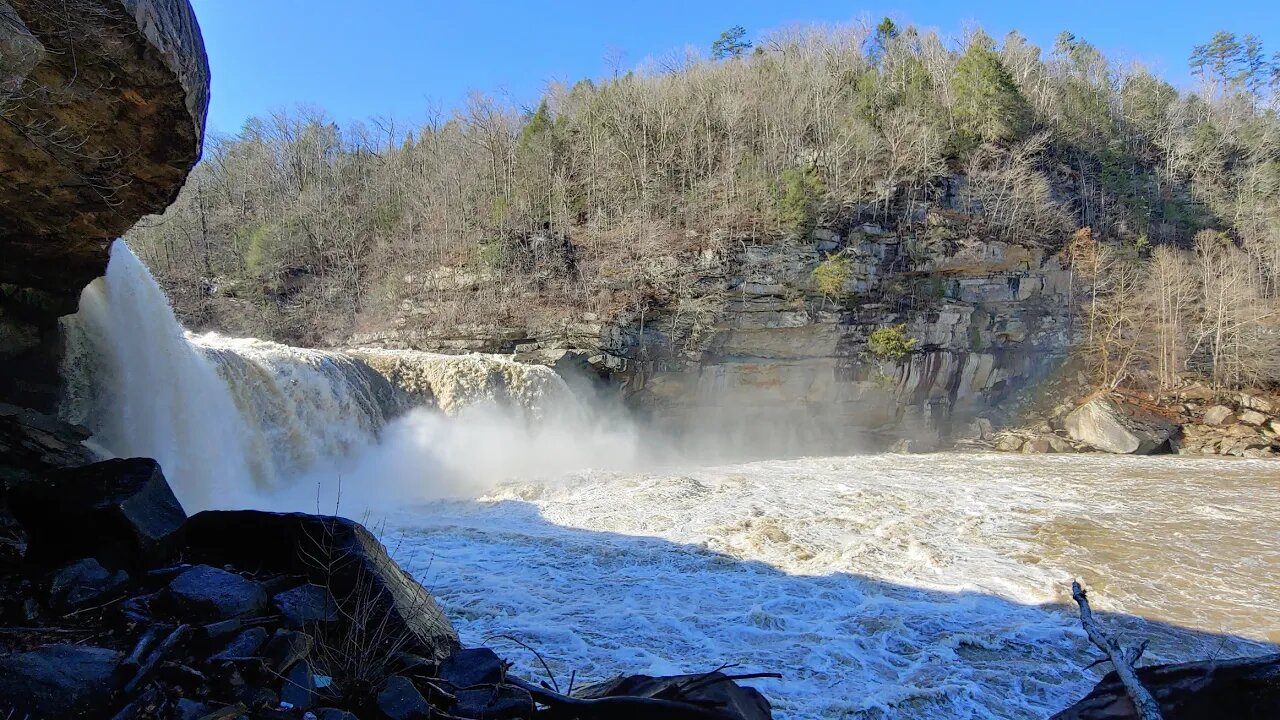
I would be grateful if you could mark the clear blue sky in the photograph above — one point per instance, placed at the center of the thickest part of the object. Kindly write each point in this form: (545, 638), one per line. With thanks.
(358, 59)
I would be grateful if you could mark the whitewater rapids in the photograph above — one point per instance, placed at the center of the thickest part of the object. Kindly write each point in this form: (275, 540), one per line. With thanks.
(883, 586)
(880, 586)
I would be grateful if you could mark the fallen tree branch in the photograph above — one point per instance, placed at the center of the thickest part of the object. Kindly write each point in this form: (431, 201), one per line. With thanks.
(153, 659)
(1121, 659)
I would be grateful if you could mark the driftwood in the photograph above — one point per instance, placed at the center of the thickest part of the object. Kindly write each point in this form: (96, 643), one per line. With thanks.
(149, 665)
(1122, 659)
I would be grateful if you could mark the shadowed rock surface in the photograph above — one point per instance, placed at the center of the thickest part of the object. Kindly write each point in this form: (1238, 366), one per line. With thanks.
(1236, 688)
(102, 108)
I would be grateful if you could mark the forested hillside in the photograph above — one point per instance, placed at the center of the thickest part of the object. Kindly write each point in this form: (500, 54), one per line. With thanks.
(1165, 203)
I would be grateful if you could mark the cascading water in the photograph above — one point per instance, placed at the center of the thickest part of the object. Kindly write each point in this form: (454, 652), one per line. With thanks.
(133, 379)
(246, 422)
(301, 406)
(885, 586)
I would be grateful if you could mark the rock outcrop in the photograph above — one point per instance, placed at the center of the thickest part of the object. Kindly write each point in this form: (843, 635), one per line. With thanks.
(104, 104)
(1114, 426)
(336, 553)
(745, 345)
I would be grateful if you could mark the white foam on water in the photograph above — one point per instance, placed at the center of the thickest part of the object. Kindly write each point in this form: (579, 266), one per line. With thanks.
(880, 586)
(241, 422)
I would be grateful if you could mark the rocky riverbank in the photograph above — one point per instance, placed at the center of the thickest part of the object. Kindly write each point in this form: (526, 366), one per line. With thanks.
(1196, 421)
(117, 605)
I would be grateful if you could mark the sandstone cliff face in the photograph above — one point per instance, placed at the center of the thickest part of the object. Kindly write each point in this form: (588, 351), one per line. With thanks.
(748, 348)
(103, 105)
(988, 318)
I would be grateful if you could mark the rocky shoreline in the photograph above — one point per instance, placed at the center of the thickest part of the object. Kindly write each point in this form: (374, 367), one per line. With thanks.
(1195, 422)
(118, 605)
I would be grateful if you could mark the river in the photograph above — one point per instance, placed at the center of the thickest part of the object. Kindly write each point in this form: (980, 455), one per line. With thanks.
(905, 586)
(926, 586)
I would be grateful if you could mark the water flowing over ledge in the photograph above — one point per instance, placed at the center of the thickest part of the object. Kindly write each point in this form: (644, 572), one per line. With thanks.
(233, 420)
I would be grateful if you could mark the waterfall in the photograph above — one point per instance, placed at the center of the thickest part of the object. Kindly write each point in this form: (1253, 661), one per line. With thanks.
(456, 382)
(132, 378)
(237, 421)
(301, 406)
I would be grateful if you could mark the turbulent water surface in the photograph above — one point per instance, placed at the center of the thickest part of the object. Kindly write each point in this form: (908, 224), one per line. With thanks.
(880, 586)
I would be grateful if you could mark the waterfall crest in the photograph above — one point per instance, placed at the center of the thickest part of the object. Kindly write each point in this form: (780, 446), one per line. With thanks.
(235, 420)
(456, 382)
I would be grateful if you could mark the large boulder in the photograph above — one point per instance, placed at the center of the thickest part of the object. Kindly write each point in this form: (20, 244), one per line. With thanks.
(103, 105)
(123, 511)
(211, 593)
(1217, 415)
(337, 554)
(82, 583)
(31, 443)
(58, 681)
(1115, 426)
(713, 691)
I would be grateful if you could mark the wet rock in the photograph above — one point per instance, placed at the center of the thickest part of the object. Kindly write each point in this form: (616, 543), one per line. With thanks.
(500, 702)
(258, 698)
(83, 583)
(360, 572)
(244, 645)
(1236, 688)
(209, 592)
(334, 714)
(400, 700)
(713, 690)
(32, 442)
(285, 648)
(1217, 415)
(299, 687)
(1115, 426)
(119, 508)
(13, 541)
(472, 666)
(305, 605)
(186, 709)
(58, 681)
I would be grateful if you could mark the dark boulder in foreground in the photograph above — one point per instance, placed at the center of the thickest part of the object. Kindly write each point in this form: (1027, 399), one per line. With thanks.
(1238, 688)
(58, 681)
(710, 690)
(82, 583)
(121, 511)
(208, 592)
(337, 554)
